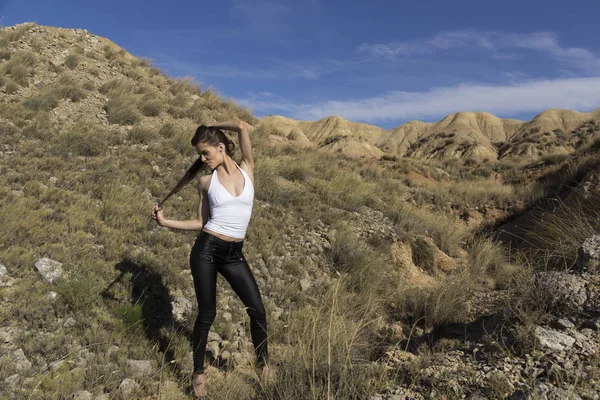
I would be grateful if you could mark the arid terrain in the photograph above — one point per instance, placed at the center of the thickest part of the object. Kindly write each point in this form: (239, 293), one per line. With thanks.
(436, 260)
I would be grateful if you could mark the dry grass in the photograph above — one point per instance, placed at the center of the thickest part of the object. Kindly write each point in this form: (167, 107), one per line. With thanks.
(448, 233)
(20, 67)
(97, 214)
(326, 347)
(557, 234)
(9, 36)
(49, 97)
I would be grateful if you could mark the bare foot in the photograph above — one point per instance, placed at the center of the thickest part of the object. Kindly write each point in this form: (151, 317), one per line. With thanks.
(265, 374)
(199, 384)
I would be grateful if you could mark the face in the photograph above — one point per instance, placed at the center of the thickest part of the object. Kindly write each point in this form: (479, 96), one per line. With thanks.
(211, 155)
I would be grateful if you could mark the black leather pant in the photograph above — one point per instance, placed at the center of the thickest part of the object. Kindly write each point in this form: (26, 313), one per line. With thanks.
(210, 255)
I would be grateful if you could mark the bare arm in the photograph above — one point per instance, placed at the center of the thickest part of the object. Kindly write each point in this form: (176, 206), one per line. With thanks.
(241, 128)
(195, 224)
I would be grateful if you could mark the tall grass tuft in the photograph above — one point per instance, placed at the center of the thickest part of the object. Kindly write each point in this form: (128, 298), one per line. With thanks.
(325, 351)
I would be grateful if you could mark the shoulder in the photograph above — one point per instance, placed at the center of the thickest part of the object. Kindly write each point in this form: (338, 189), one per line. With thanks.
(204, 182)
(248, 168)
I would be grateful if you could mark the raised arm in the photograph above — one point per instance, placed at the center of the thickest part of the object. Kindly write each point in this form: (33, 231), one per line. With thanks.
(241, 127)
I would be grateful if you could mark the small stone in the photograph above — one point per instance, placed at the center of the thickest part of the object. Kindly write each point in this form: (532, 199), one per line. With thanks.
(49, 269)
(565, 323)
(227, 316)
(82, 395)
(213, 348)
(22, 363)
(553, 340)
(589, 254)
(182, 308)
(305, 284)
(7, 334)
(214, 336)
(140, 368)
(127, 388)
(112, 350)
(5, 281)
(52, 296)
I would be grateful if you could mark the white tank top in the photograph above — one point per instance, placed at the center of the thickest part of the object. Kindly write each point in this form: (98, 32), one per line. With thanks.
(230, 215)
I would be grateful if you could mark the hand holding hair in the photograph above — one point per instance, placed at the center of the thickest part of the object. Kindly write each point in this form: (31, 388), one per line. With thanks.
(157, 215)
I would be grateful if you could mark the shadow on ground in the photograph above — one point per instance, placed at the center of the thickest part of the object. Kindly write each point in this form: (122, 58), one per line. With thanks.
(148, 290)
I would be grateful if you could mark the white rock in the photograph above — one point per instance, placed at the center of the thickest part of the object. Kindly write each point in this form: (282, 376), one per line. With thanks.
(49, 269)
(7, 334)
(214, 336)
(112, 350)
(213, 348)
(553, 340)
(182, 307)
(305, 284)
(565, 323)
(82, 395)
(127, 388)
(22, 363)
(140, 368)
(51, 296)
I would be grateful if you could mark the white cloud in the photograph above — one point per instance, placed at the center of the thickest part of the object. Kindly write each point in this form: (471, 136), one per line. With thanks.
(576, 93)
(496, 43)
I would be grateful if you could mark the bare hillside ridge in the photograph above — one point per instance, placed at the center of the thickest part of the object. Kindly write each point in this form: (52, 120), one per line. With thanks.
(467, 135)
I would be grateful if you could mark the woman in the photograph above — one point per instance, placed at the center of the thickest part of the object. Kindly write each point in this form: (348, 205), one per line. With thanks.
(226, 199)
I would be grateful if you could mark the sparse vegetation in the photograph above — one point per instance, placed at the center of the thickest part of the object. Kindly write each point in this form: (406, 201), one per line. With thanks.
(358, 260)
(71, 61)
(20, 67)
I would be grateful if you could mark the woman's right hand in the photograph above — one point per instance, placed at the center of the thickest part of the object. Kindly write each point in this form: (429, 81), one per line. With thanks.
(157, 215)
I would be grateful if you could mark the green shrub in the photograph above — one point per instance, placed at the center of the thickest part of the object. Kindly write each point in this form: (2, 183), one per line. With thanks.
(49, 97)
(167, 130)
(11, 87)
(141, 135)
(79, 291)
(151, 105)
(71, 61)
(121, 111)
(443, 303)
(8, 36)
(131, 315)
(80, 140)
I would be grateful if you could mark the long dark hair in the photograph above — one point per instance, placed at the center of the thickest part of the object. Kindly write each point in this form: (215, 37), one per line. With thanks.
(208, 135)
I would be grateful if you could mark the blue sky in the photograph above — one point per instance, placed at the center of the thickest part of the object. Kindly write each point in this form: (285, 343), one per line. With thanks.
(381, 62)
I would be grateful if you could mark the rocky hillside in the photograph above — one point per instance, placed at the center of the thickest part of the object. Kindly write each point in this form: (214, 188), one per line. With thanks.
(379, 276)
(476, 136)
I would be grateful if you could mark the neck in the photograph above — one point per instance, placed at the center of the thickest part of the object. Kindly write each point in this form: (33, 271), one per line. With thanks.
(228, 165)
